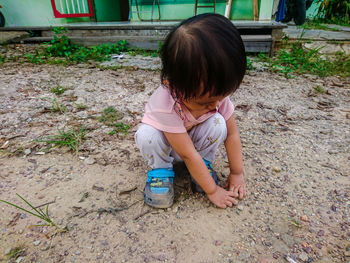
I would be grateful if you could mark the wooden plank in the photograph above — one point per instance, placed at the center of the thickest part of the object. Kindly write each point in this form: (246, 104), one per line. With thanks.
(256, 10)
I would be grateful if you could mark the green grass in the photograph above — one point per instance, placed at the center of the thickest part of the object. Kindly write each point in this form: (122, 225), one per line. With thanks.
(16, 252)
(59, 90)
(300, 60)
(58, 107)
(119, 127)
(80, 106)
(72, 139)
(38, 212)
(317, 24)
(61, 50)
(319, 89)
(110, 115)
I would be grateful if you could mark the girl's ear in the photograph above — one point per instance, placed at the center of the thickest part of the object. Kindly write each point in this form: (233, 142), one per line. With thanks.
(165, 82)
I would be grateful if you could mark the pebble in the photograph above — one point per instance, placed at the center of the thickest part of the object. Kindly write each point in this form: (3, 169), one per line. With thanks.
(276, 169)
(240, 207)
(303, 256)
(27, 151)
(217, 242)
(40, 196)
(19, 259)
(320, 233)
(37, 243)
(89, 161)
(77, 252)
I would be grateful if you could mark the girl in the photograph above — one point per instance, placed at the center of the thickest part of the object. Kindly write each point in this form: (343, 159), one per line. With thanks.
(190, 114)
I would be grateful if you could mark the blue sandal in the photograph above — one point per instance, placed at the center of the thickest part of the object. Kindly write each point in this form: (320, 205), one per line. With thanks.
(159, 189)
(196, 187)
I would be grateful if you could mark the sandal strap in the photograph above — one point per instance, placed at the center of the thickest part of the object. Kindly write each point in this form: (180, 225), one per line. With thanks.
(160, 173)
(207, 163)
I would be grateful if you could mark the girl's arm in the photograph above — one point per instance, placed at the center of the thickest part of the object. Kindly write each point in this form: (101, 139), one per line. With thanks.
(183, 146)
(235, 181)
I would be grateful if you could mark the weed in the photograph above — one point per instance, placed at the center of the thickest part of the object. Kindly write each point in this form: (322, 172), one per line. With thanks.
(144, 52)
(38, 212)
(80, 106)
(319, 89)
(119, 127)
(58, 107)
(71, 139)
(62, 47)
(35, 58)
(294, 222)
(109, 116)
(299, 60)
(58, 90)
(16, 252)
(2, 59)
(249, 64)
(317, 24)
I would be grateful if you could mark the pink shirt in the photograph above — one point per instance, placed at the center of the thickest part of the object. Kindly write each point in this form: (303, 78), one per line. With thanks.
(165, 114)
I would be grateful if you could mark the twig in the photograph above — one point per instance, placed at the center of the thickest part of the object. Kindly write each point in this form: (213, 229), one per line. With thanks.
(142, 214)
(48, 203)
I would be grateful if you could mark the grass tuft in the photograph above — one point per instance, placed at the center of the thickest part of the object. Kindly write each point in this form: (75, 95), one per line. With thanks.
(59, 90)
(300, 60)
(71, 139)
(38, 212)
(16, 252)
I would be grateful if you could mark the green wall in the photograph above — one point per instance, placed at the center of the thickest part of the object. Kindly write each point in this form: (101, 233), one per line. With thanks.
(39, 12)
(182, 9)
(33, 13)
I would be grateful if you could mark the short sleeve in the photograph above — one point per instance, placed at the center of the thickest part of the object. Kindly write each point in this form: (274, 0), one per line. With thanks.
(160, 112)
(226, 108)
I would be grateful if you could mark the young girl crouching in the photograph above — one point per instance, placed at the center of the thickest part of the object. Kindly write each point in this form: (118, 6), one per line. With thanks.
(190, 114)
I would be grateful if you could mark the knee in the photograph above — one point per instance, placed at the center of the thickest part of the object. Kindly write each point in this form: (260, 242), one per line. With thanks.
(147, 137)
(217, 126)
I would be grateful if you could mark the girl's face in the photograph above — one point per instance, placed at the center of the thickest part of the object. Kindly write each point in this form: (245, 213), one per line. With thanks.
(204, 103)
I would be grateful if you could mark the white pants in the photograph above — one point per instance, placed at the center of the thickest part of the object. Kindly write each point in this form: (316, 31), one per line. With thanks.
(206, 137)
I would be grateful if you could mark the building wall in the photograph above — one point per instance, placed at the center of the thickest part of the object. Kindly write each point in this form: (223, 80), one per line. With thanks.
(39, 12)
(241, 9)
(33, 13)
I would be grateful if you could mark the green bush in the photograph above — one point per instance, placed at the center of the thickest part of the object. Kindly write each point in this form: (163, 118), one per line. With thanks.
(334, 11)
(62, 47)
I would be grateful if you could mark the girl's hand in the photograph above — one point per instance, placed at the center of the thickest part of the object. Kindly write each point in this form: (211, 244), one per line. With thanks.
(236, 185)
(222, 198)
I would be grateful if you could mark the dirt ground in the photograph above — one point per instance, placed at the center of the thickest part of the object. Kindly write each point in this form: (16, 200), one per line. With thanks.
(296, 145)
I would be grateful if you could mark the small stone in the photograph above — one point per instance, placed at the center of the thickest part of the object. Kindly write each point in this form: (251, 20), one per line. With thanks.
(217, 242)
(240, 207)
(305, 218)
(89, 161)
(8, 250)
(19, 259)
(320, 233)
(334, 208)
(40, 196)
(319, 246)
(27, 151)
(37, 243)
(77, 253)
(276, 169)
(303, 256)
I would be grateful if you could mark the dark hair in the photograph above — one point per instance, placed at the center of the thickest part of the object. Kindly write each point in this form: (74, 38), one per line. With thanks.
(203, 53)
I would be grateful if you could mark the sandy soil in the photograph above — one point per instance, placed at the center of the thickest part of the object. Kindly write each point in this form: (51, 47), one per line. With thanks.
(297, 163)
